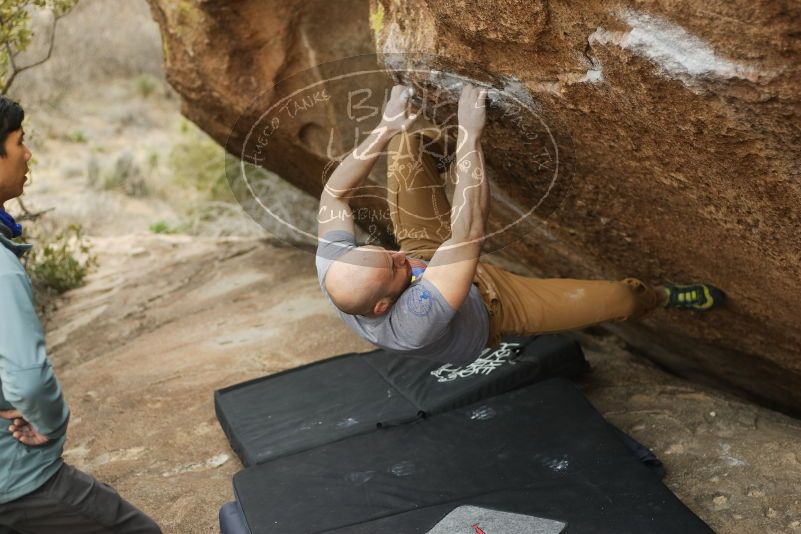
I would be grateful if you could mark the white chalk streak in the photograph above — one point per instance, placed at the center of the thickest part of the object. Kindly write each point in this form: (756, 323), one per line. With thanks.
(678, 52)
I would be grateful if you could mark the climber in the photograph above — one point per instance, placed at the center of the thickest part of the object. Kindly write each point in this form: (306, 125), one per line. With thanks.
(39, 493)
(433, 298)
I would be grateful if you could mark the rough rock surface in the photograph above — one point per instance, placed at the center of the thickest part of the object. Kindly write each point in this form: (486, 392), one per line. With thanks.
(168, 319)
(665, 132)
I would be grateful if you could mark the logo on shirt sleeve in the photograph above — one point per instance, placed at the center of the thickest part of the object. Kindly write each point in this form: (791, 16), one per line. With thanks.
(420, 300)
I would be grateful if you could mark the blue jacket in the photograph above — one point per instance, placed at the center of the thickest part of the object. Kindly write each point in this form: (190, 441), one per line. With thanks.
(27, 382)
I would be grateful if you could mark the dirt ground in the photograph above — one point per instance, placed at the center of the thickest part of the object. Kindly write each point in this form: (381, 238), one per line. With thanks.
(166, 320)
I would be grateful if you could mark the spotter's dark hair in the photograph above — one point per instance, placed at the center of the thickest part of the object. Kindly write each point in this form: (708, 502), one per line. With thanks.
(11, 117)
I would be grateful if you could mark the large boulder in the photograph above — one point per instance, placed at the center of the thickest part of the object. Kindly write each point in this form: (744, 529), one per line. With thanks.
(649, 139)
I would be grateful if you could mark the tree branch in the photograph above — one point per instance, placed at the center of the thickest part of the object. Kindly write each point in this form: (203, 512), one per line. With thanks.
(16, 70)
(28, 215)
(10, 58)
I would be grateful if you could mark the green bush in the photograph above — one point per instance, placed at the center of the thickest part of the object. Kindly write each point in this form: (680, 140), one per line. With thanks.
(76, 137)
(197, 162)
(59, 262)
(161, 227)
(125, 176)
(145, 85)
(153, 161)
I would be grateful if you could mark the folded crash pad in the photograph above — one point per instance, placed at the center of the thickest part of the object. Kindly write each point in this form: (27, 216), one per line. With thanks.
(347, 395)
(231, 519)
(541, 451)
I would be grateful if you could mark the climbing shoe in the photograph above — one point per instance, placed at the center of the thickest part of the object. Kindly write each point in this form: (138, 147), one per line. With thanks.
(694, 297)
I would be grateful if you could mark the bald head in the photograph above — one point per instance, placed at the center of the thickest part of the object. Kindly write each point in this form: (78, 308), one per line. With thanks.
(365, 279)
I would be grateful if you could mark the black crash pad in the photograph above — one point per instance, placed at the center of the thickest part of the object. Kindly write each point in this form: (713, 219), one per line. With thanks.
(541, 450)
(231, 519)
(355, 393)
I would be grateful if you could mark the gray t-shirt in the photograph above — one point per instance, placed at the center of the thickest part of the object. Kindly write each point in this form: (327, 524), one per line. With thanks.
(421, 323)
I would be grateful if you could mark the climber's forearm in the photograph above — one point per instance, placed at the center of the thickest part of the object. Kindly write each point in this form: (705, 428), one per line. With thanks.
(335, 212)
(349, 175)
(471, 197)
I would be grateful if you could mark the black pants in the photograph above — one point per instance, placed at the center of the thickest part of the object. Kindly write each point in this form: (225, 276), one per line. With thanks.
(72, 502)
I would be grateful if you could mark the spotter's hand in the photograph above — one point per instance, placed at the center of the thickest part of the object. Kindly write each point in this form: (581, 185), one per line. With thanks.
(22, 430)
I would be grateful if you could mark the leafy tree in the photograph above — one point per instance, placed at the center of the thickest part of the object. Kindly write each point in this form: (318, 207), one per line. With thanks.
(61, 260)
(15, 34)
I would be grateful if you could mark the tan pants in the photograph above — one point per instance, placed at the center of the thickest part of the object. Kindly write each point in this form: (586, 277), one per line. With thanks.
(420, 214)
